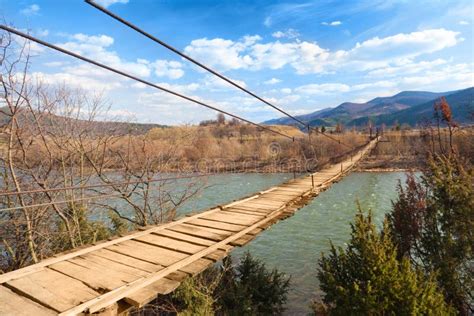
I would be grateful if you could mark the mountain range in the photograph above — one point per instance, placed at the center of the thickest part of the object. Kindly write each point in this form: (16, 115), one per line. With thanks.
(407, 107)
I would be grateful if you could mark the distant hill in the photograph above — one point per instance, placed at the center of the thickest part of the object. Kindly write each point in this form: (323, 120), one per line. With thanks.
(461, 103)
(98, 127)
(385, 109)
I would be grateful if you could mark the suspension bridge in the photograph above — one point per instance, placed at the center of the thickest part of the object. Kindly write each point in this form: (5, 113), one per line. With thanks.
(129, 271)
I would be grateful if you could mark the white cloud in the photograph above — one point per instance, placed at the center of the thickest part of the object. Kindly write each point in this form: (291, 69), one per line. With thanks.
(170, 69)
(463, 22)
(333, 23)
(85, 77)
(289, 33)
(96, 47)
(221, 53)
(272, 81)
(107, 3)
(182, 88)
(31, 10)
(286, 90)
(214, 83)
(324, 88)
(406, 67)
(55, 64)
(407, 44)
(99, 40)
(308, 57)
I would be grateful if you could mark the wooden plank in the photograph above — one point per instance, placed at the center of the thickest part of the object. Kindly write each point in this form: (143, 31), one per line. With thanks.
(126, 260)
(172, 244)
(259, 206)
(269, 205)
(269, 202)
(200, 232)
(177, 276)
(218, 254)
(239, 211)
(148, 253)
(252, 209)
(197, 266)
(288, 192)
(185, 237)
(239, 219)
(90, 260)
(147, 294)
(242, 240)
(296, 186)
(277, 197)
(217, 225)
(98, 280)
(53, 289)
(285, 192)
(256, 231)
(12, 304)
(200, 241)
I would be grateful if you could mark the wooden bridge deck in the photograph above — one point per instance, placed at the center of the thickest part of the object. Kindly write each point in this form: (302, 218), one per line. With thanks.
(130, 271)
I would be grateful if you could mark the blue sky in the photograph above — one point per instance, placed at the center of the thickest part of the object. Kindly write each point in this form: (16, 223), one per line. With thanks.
(300, 55)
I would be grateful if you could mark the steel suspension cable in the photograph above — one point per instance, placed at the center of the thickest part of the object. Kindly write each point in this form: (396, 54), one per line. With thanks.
(176, 51)
(67, 52)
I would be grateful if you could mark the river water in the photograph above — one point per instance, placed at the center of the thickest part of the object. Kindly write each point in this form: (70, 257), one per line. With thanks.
(295, 244)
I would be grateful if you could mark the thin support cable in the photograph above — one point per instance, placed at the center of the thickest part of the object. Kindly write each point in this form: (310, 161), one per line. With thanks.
(67, 52)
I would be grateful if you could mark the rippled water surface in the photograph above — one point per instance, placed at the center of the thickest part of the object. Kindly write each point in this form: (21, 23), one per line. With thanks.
(295, 244)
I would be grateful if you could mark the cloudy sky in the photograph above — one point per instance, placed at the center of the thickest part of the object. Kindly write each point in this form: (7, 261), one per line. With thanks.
(300, 55)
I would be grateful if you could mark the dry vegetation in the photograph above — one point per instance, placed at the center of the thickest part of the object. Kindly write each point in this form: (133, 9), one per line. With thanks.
(409, 149)
(235, 147)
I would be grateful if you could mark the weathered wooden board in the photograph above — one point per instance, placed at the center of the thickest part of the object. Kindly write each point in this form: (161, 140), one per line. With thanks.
(260, 215)
(225, 226)
(99, 280)
(172, 244)
(148, 253)
(53, 289)
(197, 266)
(147, 294)
(127, 260)
(243, 240)
(251, 208)
(12, 304)
(202, 232)
(239, 219)
(185, 237)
